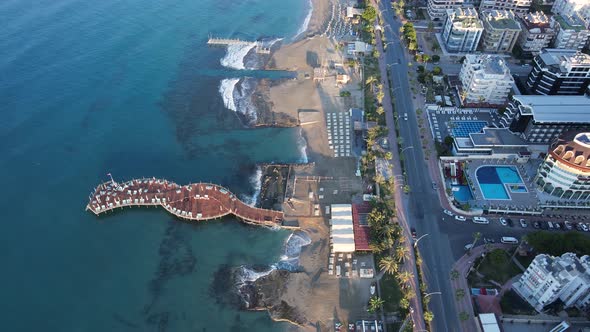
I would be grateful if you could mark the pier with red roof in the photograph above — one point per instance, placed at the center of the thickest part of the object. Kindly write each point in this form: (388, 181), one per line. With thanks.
(195, 201)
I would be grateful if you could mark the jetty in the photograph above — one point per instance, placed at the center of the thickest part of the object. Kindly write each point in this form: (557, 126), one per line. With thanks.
(195, 201)
(212, 41)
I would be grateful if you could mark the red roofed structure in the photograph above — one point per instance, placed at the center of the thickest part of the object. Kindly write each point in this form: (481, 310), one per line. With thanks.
(362, 232)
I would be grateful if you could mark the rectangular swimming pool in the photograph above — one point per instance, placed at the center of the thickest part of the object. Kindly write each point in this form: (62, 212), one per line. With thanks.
(493, 181)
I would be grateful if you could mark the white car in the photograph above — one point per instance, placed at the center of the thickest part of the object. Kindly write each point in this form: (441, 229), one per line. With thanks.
(480, 220)
(523, 223)
(448, 213)
(503, 221)
(460, 218)
(468, 246)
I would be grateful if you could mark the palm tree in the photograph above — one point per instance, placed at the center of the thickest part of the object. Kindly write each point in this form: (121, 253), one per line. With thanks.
(454, 274)
(375, 303)
(405, 277)
(476, 237)
(371, 79)
(409, 294)
(428, 316)
(402, 252)
(389, 265)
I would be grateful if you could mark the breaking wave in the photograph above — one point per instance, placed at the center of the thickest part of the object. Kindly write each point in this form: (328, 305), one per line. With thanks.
(256, 182)
(235, 54)
(226, 89)
(305, 23)
(302, 143)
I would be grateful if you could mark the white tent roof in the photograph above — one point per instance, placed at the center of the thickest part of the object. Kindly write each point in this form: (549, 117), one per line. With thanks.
(342, 232)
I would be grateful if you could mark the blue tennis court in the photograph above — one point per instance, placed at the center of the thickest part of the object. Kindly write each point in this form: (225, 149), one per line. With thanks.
(464, 128)
(493, 180)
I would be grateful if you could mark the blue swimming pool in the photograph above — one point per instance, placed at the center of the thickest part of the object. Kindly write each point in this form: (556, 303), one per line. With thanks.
(493, 181)
(462, 193)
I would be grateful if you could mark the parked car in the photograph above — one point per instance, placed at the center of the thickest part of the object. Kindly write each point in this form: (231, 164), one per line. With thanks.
(480, 220)
(460, 218)
(544, 225)
(550, 224)
(585, 227)
(372, 289)
(468, 246)
(568, 225)
(523, 223)
(536, 225)
(490, 240)
(413, 230)
(351, 327)
(503, 221)
(557, 226)
(434, 186)
(509, 221)
(448, 213)
(578, 225)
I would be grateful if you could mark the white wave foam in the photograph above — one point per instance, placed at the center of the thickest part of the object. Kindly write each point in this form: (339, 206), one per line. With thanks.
(305, 23)
(246, 274)
(235, 54)
(226, 89)
(302, 147)
(243, 99)
(256, 182)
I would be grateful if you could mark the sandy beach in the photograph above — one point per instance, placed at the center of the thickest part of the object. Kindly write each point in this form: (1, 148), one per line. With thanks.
(315, 294)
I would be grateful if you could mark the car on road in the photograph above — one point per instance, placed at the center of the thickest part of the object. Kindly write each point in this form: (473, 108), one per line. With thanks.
(568, 225)
(434, 186)
(468, 246)
(480, 220)
(503, 221)
(488, 240)
(509, 240)
(413, 230)
(447, 212)
(523, 223)
(372, 289)
(509, 221)
(585, 227)
(460, 218)
(536, 225)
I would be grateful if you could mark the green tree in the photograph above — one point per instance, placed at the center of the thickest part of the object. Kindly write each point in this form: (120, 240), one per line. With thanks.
(459, 294)
(388, 155)
(437, 70)
(454, 274)
(435, 58)
(428, 316)
(388, 265)
(380, 110)
(380, 96)
(476, 237)
(449, 140)
(375, 303)
(463, 316)
(370, 14)
(425, 57)
(402, 252)
(404, 303)
(405, 277)
(497, 257)
(370, 80)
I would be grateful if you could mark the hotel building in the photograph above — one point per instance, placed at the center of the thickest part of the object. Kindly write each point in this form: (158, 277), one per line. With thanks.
(462, 30)
(571, 31)
(485, 79)
(550, 278)
(437, 9)
(536, 33)
(559, 72)
(501, 30)
(519, 7)
(565, 173)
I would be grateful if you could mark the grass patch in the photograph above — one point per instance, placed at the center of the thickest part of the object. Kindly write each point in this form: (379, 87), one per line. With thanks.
(513, 304)
(390, 293)
(496, 266)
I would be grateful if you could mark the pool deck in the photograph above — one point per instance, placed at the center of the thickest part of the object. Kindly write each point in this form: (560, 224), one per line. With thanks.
(518, 200)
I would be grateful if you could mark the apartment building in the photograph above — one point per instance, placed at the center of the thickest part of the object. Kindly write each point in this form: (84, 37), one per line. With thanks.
(462, 30)
(570, 31)
(565, 172)
(540, 119)
(571, 7)
(485, 79)
(437, 9)
(559, 72)
(549, 278)
(519, 7)
(536, 33)
(501, 30)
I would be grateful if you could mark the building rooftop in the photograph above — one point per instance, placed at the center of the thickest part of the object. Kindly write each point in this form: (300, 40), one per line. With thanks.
(570, 22)
(491, 137)
(555, 109)
(573, 149)
(501, 19)
(465, 17)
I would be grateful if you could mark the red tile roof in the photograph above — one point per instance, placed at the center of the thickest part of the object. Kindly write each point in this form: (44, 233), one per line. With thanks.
(362, 234)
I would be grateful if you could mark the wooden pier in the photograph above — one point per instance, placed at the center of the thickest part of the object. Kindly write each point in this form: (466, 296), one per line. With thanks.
(195, 201)
(212, 41)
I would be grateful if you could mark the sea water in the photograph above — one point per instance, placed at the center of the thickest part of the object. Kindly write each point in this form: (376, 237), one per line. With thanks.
(128, 88)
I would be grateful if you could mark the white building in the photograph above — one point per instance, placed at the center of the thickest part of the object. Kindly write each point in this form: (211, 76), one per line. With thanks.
(519, 7)
(571, 7)
(536, 33)
(341, 228)
(500, 31)
(571, 31)
(548, 278)
(565, 173)
(485, 79)
(462, 30)
(437, 9)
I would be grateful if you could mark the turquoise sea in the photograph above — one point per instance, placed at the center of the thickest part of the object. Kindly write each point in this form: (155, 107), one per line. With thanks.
(129, 88)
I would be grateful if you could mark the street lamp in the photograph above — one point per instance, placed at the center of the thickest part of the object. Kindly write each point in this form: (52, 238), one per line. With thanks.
(433, 293)
(407, 147)
(420, 238)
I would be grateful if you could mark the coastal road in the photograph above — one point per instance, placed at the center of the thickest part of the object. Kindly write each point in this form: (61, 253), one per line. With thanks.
(422, 207)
